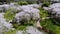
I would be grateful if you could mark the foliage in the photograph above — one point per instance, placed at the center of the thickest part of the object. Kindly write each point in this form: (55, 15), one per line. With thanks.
(25, 3)
(9, 14)
(19, 27)
(43, 13)
(11, 32)
(23, 26)
(46, 3)
(49, 23)
(31, 2)
(22, 3)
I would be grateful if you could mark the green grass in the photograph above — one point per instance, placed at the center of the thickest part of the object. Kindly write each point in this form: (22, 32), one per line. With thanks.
(46, 3)
(23, 26)
(32, 2)
(25, 2)
(49, 23)
(9, 14)
(22, 3)
(11, 32)
(43, 13)
(19, 27)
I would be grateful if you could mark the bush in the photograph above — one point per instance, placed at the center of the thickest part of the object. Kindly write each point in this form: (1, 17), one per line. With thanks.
(31, 2)
(22, 3)
(25, 3)
(46, 3)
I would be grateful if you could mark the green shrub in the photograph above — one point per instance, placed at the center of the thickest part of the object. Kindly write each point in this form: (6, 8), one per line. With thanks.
(22, 3)
(31, 2)
(25, 3)
(46, 3)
